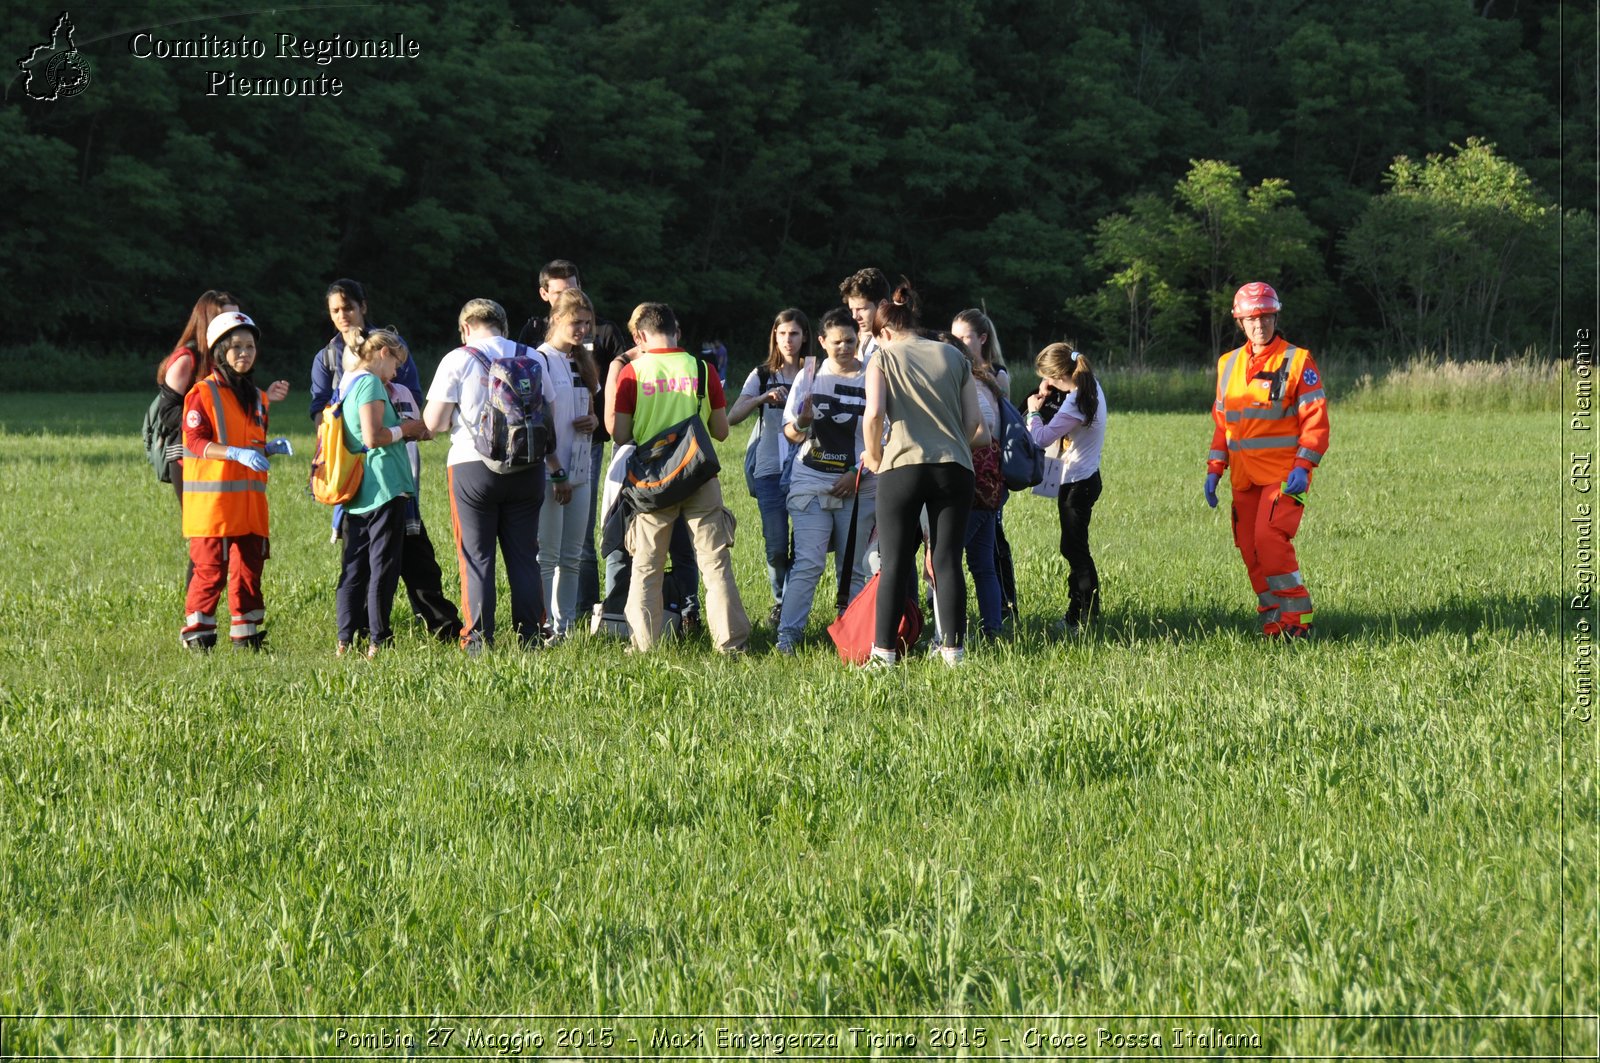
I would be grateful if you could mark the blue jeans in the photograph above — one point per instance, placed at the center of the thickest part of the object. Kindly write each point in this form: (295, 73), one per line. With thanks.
(816, 531)
(774, 505)
(981, 524)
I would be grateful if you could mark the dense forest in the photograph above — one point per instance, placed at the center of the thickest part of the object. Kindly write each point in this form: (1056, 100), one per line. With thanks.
(1413, 176)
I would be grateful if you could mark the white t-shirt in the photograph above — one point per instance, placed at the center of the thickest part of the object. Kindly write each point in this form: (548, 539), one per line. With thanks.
(462, 379)
(570, 403)
(838, 406)
(768, 429)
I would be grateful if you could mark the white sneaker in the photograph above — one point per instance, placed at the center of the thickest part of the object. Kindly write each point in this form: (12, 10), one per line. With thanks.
(953, 655)
(879, 661)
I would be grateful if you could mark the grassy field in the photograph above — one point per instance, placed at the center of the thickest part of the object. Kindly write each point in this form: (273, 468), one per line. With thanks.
(1353, 846)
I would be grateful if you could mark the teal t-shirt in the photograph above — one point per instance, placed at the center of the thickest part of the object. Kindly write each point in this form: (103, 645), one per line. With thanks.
(387, 475)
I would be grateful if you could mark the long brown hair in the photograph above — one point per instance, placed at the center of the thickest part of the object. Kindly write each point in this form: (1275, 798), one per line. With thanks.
(1063, 361)
(208, 306)
(979, 322)
(795, 316)
(567, 303)
(982, 372)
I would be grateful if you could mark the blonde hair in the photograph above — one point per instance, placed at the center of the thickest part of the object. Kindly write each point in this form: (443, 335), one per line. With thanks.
(483, 312)
(979, 322)
(568, 303)
(378, 341)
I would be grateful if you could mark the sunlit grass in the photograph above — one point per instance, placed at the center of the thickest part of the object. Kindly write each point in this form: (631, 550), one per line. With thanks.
(1168, 816)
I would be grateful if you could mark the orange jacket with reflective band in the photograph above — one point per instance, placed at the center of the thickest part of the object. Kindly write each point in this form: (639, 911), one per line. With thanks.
(1271, 414)
(223, 498)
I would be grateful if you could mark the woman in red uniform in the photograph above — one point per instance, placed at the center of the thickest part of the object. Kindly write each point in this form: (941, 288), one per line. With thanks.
(1272, 430)
(225, 485)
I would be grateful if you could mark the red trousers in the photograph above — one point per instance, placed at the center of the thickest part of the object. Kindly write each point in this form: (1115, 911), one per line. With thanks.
(1265, 521)
(237, 561)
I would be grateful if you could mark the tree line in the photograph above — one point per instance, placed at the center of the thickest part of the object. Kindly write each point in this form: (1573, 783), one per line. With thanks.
(1103, 169)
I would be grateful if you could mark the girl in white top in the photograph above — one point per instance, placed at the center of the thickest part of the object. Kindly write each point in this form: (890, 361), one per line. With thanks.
(571, 370)
(1077, 431)
(765, 390)
(826, 431)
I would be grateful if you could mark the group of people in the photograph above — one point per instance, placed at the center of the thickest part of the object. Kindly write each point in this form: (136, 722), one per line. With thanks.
(872, 435)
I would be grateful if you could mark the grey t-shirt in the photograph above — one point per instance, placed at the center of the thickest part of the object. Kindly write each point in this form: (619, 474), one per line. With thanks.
(923, 380)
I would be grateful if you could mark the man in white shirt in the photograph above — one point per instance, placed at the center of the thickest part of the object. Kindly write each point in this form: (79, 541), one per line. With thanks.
(488, 506)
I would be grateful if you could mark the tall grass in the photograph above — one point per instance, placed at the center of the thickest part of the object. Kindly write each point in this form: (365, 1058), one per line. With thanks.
(1423, 384)
(1166, 817)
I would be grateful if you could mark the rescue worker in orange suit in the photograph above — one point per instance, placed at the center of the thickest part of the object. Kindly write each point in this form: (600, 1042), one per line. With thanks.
(225, 450)
(1272, 431)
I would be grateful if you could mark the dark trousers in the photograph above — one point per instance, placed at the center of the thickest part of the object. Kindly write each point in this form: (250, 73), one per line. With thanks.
(419, 568)
(373, 543)
(945, 491)
(681, 584)
(1004, 566)
(1074, 506)
(489, 508)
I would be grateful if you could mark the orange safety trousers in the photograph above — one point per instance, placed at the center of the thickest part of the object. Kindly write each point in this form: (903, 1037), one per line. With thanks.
(1265, 521)
(236, 560)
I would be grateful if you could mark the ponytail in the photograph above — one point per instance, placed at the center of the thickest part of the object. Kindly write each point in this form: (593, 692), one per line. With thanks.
(1063, 361)
(1084, 388)
(902, 311)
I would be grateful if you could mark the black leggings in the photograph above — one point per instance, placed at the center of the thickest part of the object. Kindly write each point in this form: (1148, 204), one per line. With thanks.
(945, 490)
(1075, 505)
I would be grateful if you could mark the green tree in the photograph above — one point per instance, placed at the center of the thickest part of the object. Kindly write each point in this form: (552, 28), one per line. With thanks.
(1452, 242)
(1214, 234)
(1243, 234)
(1142, 300)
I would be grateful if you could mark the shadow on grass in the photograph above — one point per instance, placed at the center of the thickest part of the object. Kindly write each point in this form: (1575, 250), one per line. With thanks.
(1523, 614)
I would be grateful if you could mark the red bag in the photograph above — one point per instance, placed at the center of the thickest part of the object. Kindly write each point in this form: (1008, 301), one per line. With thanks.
(858, 620)
(988, 486)
(852, 632)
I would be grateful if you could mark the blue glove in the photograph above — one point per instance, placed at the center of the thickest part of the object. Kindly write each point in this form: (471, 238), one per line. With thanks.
(1211, 488)
(250, 459)
(1297, 482)
(280, 445)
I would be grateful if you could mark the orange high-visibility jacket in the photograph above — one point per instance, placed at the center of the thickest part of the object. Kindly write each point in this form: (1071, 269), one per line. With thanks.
(1271, 414)
(223, 498)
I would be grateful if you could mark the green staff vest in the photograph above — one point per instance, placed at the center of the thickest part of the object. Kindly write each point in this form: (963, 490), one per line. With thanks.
(668, 392)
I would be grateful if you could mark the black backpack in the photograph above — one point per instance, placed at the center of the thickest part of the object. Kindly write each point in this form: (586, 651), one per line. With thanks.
(161, 447)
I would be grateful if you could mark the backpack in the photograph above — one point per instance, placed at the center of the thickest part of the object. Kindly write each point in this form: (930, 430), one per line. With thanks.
(1021, 459)
(156, 441)
(335, 469)
(763, 382)
(673, 464)
(511, 433)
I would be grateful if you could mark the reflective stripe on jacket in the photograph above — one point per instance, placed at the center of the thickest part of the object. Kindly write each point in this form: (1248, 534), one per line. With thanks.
(1271, 414)
(223, 498)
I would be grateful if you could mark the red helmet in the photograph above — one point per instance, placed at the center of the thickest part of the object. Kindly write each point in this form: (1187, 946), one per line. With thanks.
(1255, 299)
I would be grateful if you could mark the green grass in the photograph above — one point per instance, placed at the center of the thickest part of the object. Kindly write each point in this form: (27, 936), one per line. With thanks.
(1169, 817)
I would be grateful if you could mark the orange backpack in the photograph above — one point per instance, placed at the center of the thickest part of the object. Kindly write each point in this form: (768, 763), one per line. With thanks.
(335, 468)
